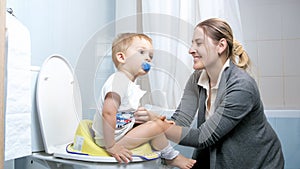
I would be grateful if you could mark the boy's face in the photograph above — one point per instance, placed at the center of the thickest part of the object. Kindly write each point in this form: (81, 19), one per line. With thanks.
(138, 52)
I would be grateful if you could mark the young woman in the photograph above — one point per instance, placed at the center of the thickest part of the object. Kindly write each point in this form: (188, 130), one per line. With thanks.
(232, 130)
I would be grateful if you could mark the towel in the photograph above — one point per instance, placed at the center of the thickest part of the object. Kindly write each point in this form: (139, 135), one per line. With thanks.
(18, 90)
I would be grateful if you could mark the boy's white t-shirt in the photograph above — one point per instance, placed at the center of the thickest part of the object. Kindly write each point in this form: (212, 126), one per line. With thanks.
(130, 95)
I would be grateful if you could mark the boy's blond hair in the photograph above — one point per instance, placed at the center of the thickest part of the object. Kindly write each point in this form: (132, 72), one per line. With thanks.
(122, 43)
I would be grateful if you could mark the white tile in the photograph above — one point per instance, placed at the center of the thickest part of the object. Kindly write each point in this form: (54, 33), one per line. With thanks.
(292, 92)
(247, 2)
(251, 48)
(87, 88)
(252, 51)
(291, 57)
(290, 19)
(270, 59)
(261, 2)
(268, 21)
(271, 89)
(248, 19)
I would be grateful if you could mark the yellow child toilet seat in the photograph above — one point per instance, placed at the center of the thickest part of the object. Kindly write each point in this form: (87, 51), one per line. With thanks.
(84, 144)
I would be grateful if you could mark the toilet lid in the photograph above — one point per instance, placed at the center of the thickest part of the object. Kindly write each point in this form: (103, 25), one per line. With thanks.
(58, 110)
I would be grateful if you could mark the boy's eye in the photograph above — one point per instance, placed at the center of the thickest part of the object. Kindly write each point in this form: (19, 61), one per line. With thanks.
(151, 57)
(142, 52)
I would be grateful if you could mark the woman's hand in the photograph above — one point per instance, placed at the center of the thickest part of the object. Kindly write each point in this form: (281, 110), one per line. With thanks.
(169, 121)
(120, 153)
(142, 115)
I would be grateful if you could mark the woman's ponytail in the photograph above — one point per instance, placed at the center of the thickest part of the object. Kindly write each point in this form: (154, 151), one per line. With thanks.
(239, 56)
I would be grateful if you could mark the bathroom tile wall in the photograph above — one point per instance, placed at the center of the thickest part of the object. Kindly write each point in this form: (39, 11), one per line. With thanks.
(272, 38)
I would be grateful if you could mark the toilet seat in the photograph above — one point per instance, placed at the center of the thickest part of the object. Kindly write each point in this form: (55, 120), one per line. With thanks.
(57, 112)
(60, 110)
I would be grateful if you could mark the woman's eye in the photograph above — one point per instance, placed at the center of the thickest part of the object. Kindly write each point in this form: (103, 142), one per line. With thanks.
(198, 43)
(142, 52)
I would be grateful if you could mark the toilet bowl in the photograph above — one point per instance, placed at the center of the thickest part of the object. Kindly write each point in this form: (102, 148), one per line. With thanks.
(66, 136)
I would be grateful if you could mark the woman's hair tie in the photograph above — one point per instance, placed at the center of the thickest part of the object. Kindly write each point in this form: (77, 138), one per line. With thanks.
(238, 49)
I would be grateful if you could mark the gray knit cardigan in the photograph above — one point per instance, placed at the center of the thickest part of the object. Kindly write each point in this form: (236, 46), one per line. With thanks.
(237, 135)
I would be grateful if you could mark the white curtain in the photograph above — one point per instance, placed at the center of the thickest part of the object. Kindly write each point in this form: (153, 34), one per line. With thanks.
(225, 9)
(170, 23)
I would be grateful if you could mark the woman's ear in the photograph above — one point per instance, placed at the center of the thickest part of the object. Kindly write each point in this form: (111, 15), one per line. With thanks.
(120, 57)
(222, 45)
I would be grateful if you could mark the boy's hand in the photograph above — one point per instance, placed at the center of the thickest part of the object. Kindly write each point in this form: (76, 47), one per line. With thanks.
(120, 153)
(142, 115)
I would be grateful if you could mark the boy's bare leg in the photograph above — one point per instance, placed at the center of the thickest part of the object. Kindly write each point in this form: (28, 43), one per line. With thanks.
(152, 132)
(142, 134)
(181, 162)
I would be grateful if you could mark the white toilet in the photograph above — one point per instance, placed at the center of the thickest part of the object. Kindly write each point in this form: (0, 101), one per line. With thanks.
(59, 109)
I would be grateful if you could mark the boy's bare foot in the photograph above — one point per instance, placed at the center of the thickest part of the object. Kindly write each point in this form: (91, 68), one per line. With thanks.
(181, 162)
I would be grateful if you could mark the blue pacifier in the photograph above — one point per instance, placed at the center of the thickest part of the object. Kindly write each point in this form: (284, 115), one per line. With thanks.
(146, 66)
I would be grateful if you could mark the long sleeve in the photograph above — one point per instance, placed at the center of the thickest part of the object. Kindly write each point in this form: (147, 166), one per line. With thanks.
(185, 112)
(235, 99)
(238, 133)
(228, 114)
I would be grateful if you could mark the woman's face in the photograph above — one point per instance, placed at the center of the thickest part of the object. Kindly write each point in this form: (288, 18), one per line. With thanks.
(203, 50)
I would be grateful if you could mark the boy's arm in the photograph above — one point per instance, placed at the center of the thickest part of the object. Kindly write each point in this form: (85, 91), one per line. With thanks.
(110, 108)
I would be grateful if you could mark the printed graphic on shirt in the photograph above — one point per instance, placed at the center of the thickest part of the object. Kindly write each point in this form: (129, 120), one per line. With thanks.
(123, 118)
